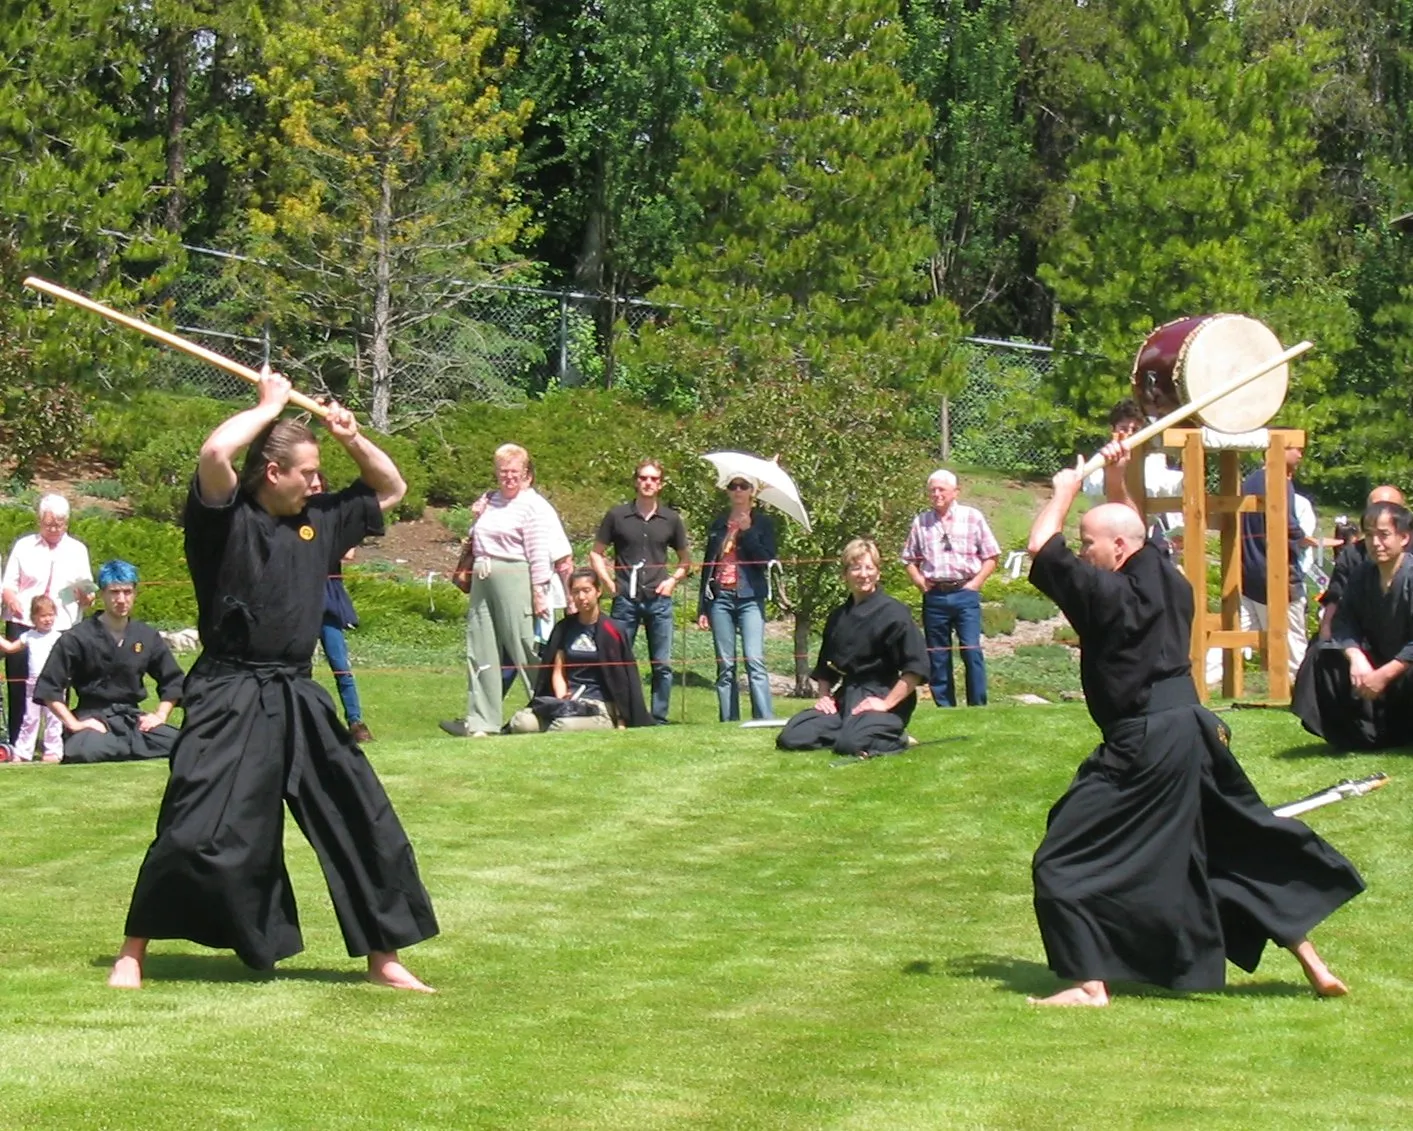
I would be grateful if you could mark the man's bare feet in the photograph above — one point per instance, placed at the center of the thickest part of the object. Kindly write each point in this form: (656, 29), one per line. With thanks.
(384, 969)
(127, 967)
(1081, 993)
(1316, 972)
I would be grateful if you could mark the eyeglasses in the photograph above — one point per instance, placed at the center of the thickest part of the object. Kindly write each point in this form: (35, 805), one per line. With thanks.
(738, 485)
(509, 473)
(650, 478)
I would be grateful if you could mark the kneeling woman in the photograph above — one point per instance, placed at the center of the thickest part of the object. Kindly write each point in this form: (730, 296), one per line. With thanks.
(588, 679)
(870, 663)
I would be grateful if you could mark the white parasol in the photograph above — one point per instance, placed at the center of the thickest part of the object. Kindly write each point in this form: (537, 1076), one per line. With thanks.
(773, 483)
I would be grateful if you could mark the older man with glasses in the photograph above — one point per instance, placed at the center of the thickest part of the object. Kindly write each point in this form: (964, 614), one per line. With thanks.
(640, 534)
(950, 552)
(49, 562)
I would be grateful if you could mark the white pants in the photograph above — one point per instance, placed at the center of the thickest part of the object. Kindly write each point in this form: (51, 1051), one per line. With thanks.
(29, 731)
(1255, 616)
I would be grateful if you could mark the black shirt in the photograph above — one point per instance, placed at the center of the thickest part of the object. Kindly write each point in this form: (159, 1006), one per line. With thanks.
(89, 660)
(1377, 621)
(1346, 562)
(1134, 623)
(635, 539)
(259, 578)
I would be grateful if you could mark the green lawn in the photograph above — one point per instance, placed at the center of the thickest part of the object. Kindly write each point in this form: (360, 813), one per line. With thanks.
(685, 928)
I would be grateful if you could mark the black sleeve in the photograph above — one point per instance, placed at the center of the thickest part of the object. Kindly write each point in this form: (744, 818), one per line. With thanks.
(207, 529)
(758, 543)
(57, 677)
(605, 535)
(1339, 576)
(823, 669)
(359, 516)
(910, 649)
(162, 666)
(1347, 631)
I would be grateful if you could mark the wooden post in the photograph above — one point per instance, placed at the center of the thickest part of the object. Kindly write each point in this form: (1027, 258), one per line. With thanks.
(1194, 548)
(1230, 488)
(1278, 563)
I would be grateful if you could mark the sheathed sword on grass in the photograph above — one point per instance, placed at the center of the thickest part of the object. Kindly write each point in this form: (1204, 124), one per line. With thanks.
(1332, 793)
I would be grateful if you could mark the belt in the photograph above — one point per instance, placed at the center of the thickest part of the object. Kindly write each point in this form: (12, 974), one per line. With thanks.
(1177, 691)
(946, 586)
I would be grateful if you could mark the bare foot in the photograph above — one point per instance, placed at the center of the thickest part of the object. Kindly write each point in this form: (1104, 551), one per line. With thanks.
(385, 970)
(1316, 972)
(1081, 993)
(127, 967)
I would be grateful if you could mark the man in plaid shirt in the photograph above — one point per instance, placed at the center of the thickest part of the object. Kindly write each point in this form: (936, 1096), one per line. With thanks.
(950, 552)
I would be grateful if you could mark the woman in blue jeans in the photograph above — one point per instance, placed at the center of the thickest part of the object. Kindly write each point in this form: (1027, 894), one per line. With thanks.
(338, 616)
(740, 547)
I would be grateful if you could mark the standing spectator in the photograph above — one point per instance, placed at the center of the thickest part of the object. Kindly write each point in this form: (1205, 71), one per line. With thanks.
(509, 589)
(740, 547)
(1254, 591)
(1159, 480)
(48, 562)
(339, 614)
(950, 552)
(640, 534)
(36, 644)
(105, 659)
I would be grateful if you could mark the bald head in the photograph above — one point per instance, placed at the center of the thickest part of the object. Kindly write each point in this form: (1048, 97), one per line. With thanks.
(1386, 494)
(1115, 520)
(1110, 534)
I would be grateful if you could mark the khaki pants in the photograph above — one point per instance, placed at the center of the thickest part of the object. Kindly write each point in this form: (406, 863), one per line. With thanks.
(525, 721)
(500, 617)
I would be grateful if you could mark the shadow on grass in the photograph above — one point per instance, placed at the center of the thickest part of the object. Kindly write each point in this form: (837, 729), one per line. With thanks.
(1312, 750)
(1018, 976)
(225, 968)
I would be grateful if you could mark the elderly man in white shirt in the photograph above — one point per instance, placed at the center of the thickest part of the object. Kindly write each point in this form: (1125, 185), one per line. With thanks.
(48, 562)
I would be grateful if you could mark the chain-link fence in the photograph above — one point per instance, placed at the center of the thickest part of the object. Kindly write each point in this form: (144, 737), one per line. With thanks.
(1004, 417)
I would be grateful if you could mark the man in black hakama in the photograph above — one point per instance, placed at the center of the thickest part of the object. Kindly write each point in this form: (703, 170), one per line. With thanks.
(1160, 861)
(871, 661)
(105, 660)
(1363, 685)
(259, 733)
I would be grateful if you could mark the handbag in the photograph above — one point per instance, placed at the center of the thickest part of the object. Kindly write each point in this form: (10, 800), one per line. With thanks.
(461, 575)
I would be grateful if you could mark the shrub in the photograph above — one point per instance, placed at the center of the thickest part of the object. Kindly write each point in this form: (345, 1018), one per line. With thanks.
(123, 427)
(1030, 608)
(340, 470)
(997, 620)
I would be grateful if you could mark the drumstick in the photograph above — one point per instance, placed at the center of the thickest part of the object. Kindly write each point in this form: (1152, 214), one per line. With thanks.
(1146, 433)
(169, 339)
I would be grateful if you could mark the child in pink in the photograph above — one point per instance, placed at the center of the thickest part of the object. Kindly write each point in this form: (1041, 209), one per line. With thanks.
(38, 640)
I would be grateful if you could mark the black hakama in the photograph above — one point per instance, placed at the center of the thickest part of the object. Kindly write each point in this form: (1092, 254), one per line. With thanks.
(259, 733)
(1380, 622)
(108, 679)
(1161, 861)
(867, 647)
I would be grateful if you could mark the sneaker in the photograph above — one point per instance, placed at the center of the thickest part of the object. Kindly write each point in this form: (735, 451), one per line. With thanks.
(455, 727)
(911, 741)
(359, 732)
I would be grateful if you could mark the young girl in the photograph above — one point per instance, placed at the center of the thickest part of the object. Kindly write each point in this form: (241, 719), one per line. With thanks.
(38, 641)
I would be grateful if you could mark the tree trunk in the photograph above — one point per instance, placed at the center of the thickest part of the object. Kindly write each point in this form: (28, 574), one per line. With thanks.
(382, 308)
(804, 686)
(178, 90)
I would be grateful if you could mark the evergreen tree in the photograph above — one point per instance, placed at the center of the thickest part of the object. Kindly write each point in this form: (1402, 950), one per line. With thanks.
(392, 170)
(802, 322)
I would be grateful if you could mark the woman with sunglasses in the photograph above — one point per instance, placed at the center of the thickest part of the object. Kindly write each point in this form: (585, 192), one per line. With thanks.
(740, 547)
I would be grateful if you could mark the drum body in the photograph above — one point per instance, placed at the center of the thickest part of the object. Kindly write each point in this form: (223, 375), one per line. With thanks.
(1187, 358)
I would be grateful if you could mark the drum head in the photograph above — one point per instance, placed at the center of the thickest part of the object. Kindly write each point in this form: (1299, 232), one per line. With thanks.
(1221, 348)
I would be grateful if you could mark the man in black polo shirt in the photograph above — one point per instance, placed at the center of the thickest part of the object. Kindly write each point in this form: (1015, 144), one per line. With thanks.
(640, 534)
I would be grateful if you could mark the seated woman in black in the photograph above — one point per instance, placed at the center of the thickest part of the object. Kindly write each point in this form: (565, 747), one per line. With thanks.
(870, 663)
(588, 679)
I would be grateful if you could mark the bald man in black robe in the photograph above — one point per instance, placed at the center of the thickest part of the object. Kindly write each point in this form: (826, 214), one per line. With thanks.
(259, 733)
(1161, 861)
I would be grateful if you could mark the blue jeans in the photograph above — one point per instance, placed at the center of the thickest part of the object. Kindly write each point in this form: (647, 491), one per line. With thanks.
(941, 614)
(336, 651)
(656, 612)
(727, 612)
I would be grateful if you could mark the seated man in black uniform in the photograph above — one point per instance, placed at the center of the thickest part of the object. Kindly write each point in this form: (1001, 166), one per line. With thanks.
(1363, 690)
(104, 659)
(1161, 861)
(871, 660)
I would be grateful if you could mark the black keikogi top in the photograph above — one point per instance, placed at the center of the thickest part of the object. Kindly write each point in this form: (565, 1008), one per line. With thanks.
(259, 578)
(870, 645)
(1346, 561)
(1378, 621)
(1134, 624)
(102, 673)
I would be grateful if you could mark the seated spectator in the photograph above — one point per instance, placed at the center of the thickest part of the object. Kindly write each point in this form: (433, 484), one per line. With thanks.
(870, 663)
(104, 659)
(588, 679)
(1363, 690)
(37, 642)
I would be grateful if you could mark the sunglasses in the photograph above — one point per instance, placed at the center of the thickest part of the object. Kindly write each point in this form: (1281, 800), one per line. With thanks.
(738, 485)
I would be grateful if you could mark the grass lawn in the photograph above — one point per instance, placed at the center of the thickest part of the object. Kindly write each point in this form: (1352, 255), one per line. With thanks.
(683, 927)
